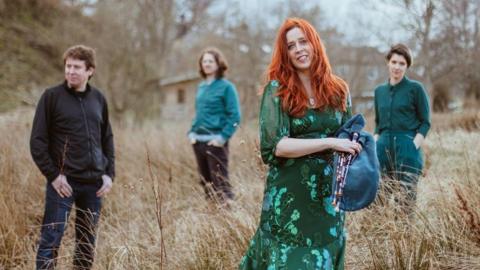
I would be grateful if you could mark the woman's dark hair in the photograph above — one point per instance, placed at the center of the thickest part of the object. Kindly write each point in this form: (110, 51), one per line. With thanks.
(219, 58)
(400, 49)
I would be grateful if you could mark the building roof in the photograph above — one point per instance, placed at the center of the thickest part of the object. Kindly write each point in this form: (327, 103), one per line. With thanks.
(185, 77)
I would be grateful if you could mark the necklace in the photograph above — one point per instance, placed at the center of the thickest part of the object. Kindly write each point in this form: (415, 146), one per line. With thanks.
(311, 101)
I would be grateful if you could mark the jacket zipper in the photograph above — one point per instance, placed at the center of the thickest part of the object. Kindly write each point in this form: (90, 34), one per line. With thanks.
(88, 134)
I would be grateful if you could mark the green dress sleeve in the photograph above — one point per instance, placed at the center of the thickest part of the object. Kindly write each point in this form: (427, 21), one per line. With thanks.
(274, 124)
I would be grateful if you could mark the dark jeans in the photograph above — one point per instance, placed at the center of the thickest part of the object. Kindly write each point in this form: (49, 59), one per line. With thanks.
(213, 167)
(57, 211)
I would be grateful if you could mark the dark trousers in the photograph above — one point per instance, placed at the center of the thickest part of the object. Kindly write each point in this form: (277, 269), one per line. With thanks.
(57, 211)
(213, 167)
(401, 162)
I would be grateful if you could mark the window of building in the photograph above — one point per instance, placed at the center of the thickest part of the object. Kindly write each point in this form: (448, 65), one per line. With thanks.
(181, 96)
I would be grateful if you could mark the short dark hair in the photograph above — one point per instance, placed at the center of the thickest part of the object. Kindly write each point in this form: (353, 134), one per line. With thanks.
(81, 52)
(400, 49)
(219, 58)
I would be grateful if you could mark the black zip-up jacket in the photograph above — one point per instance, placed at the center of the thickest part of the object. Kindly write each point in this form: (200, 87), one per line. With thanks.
(71, 135)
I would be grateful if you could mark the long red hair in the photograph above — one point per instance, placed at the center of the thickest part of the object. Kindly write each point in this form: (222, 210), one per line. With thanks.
(329, 89)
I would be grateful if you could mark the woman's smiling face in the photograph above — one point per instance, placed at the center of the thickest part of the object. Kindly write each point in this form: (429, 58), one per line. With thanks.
(300, 50)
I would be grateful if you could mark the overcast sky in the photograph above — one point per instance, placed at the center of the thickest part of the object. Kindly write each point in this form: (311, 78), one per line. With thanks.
(360, 23)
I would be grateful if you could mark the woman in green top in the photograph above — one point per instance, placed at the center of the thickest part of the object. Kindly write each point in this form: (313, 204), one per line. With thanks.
(303, 104)
(402, 118)
(216, 119)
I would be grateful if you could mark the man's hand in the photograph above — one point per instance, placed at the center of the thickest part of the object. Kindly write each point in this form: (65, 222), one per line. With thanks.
(216, 143)
(418, 140)
(106, 187)
(191, 138)
(62, 187)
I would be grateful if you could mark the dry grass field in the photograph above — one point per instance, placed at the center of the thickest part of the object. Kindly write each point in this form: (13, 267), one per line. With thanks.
(156, 216)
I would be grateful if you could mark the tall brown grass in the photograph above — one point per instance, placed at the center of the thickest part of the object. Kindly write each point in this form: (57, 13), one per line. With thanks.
(156, 215)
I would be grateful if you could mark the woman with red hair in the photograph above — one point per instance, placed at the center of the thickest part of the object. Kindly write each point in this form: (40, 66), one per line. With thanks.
(303, 104)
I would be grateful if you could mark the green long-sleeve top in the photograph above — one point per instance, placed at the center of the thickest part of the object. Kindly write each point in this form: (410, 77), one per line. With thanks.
(217, 109)
(402, 107)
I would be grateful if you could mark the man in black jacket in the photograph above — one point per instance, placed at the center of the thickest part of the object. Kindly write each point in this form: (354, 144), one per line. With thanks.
(72, 145)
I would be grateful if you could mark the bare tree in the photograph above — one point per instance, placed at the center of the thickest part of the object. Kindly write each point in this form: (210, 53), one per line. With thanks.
(136, 37)
(444, 35)
(461, 23)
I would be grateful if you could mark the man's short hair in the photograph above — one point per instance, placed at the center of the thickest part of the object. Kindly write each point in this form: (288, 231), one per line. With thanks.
(81, 52)
(400, 49)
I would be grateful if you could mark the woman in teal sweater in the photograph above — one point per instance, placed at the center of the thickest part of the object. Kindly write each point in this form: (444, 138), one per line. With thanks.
(217, 117)
(402, 118)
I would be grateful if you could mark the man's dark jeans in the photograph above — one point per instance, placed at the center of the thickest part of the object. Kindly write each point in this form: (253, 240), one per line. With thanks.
(213, 167)
(57, 211)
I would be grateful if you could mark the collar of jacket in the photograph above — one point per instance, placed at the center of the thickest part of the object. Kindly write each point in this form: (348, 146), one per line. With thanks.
(399, 84)
(76, 93)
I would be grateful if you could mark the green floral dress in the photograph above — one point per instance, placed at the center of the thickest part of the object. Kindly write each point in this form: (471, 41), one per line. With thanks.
(299, 228)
